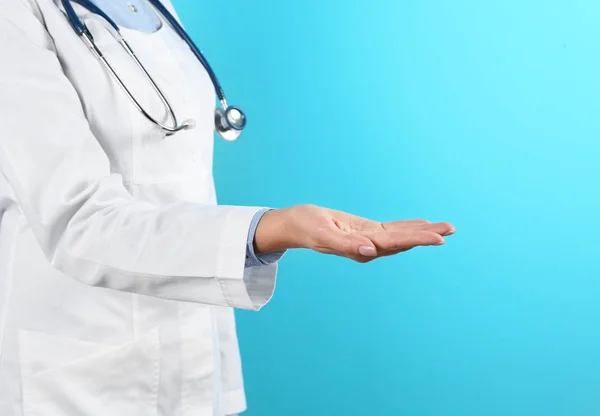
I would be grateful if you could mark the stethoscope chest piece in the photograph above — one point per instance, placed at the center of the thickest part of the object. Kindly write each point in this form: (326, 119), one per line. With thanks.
(229, 122)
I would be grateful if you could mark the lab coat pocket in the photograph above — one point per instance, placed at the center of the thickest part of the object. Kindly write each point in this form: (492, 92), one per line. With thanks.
(159, 159)
(65, 377)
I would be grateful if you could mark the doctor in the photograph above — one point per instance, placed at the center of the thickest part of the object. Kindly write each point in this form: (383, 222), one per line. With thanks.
(118, 270)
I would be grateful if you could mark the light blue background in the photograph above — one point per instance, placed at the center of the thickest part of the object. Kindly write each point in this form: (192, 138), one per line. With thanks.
(482, 113)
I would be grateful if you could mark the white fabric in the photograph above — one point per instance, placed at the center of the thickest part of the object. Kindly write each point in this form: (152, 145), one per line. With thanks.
(118, 271)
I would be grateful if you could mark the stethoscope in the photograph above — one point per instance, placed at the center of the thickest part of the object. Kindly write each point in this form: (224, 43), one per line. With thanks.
(229, 120)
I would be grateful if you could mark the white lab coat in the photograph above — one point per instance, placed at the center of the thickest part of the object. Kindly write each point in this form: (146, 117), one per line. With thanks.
(118, 271)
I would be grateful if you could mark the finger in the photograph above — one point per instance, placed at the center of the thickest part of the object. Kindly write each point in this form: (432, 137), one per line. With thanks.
(394, 240)
(393, 253)
(441, 228)
(403, 223)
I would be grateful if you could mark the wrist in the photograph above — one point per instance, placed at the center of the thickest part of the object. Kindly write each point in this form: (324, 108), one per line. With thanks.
(275, 232)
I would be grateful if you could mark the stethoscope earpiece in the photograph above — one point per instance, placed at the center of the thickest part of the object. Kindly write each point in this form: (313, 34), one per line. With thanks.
(189, 124)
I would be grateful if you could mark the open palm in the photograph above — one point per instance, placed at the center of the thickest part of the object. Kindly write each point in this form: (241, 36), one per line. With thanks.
(361, 239)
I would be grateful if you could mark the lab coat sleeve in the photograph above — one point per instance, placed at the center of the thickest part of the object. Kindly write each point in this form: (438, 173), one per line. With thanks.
(86, 222)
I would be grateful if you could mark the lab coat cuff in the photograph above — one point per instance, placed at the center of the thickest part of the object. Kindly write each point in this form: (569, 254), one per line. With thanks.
(254, 290)
(242, 287)
(233, 403)
(252, 258)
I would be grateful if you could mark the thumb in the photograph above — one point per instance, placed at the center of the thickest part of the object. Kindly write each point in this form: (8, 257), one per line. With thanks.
(352, 245)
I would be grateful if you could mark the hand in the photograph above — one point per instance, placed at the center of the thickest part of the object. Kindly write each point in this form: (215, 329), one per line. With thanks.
(334, 232)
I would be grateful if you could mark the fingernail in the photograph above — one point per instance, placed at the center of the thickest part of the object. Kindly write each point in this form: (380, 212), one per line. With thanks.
(440, 243)
(452, 231)
(367, 251)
